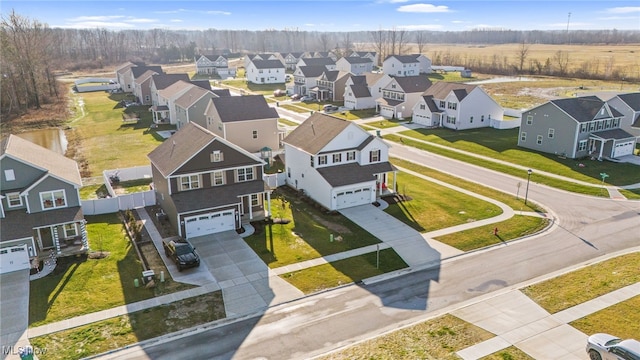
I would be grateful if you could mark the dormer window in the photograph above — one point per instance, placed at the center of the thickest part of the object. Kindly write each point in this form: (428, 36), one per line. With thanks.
(9, 175)
(14, 200)
(216, 156)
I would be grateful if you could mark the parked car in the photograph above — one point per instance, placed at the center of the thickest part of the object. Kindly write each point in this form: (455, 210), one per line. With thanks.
(608, 347)
(329, 108)
(306, 98)
(296, 97)
(182, 253)
(279, 92)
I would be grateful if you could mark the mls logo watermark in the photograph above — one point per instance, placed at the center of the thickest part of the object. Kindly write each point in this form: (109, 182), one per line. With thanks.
(25, 352)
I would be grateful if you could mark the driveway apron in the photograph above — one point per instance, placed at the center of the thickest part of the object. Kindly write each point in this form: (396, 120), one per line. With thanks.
(14, 312)
(247, 284)
(407, 242)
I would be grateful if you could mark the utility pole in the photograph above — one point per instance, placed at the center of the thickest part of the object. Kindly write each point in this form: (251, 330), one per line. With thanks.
(568, 36)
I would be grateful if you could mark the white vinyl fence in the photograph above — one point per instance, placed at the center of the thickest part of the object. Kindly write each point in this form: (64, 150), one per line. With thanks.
(100, 84)
(117, 202)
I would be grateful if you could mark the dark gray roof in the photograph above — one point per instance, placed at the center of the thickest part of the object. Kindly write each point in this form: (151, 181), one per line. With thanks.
(333, 75)
(316, 132)
(636, 122)
(193, 200)
(613, 134)
(268, 64)
(312, 71)
(162, 81)
(360, 91)
(358, 79)
(632, 100)
(442, 89)
(584, 108)
(353, 173)
(19, 224)
(191, 96)
(221, 92)
(240, 108)
(139, 70)
(413, 84)
(358, 60)
(405, 59)
(175, 151)
(428, 99)
(205, 84)
(214, 58)
(324, 61)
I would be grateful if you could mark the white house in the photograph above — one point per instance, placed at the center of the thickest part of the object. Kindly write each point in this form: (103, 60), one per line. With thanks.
(366, 54)
(362, 91)
(336, 163)
(629, 106)
(305, 78)
(327, 62)
(425, 64)
(400, 95)
(355, 65)
(214, 65)
(401, 65)
(456, 106)
(265, 72)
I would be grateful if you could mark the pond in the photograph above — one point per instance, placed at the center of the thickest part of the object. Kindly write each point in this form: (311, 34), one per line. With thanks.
(52, 139)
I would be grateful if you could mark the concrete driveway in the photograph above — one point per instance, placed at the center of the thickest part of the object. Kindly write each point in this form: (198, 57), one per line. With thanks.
(14, 312)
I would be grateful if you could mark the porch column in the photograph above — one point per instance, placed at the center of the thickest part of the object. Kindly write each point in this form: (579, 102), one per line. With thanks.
(601, 149)
(269, 203)
(56, 240)
(394, 181)
(250, 208)
(85, 237)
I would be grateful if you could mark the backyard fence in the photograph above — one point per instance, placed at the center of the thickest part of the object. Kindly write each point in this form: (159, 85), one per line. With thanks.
(116, 202)
(100, 84)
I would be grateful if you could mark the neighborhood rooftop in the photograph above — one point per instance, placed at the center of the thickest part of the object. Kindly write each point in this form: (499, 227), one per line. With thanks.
(237, 108)
(316, 132)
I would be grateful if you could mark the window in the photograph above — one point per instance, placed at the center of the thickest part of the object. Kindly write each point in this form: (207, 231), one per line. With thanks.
(14, 200)
(311, 161)
(529, 119)
(453, 106)
(442, 104)
(53, 199)
(374, 155)
(254, 134)
(481, 118)
(322, 160)
(551, 133)
(422, 106)
(471, 120)
(592, 126)
(9, 175)
(288, 172)
(216, 156)
(539, 139)
(582, 145)
(70, 230)
(351, 155)
(189, 182)
(245, 174)
(217, 178)
(616, 122)
(451, 120)
(523, 136)
(337, 158)
(583, 127)
(255, 200)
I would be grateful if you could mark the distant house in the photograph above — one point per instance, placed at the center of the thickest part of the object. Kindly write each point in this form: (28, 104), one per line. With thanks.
(401, 65)
(206, 184)
(456, 106)
(336, 163)
(191, 106)
(355, 65)
(324, 54)
(159, 106)
(247, 121)
(327, 62)
(142, 87)
(425, 64)
(366, 54)
(629, 106)
(362, 91)
(265, 72)
(264, 56)
(576, 128)
(306, 78)
(330, 86)
(40, 207)
(291, 59)
(214, 65)
(400, 96)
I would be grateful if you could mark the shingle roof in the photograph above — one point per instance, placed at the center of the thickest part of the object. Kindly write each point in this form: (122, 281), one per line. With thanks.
(187, 201)
(613, 134)
(175, 88)
(145, 76)
(582, 109)
(191, 96)
(316, 132)
(268, 64)
(324, 61)
(413, 84)
(221, 92)
(405, 59)
(428, 99)
(442, 89)
(20, 224)
(56, 164)
(139, 70)
(334, 75)
(163, 81)
(353, 173)
(214, 57)
(312, 71)
(240, 108)
(358, 60)
(631, 99)
(360, 91)
(205, 84)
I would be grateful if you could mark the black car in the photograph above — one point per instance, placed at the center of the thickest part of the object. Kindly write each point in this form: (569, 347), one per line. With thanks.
(182, 253)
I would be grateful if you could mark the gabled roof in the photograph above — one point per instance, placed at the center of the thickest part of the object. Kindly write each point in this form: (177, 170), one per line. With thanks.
(183, 145)
(431, 104)
(324, 61)
(137, 71)
(405, 59)
(145, 76)
(413, 84)
(612, 134)
(213, 58)
(163, 81)
(312, 71)
(316, 132)
(268, 64)
(358, 60)
(221, 92)
(56, 164)
(175, 88)
(360, 91)
(335, 75)
(191, 96)
(124, 67)
(241, 108)
(209, 198)
(442, 89)
(582, 109)
(205, 84)
(353, 173)
(632, 100)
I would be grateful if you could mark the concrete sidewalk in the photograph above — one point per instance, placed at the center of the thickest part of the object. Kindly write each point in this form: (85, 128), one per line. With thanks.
(518, 321)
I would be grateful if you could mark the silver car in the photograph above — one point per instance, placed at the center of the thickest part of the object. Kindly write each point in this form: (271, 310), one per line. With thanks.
(609, 347)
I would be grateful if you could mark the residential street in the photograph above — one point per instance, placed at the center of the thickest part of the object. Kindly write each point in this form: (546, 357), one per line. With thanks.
(585, 228)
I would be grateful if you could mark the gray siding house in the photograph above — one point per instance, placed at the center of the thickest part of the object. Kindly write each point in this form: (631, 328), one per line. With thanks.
(205, 184)
(576, 128)
(629, 106)
(40, 208)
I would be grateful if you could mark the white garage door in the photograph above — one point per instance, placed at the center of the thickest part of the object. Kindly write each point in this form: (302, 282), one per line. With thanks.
(386, 112)
(353, 197)
(623, 149)
(211, 223)
(14, 258)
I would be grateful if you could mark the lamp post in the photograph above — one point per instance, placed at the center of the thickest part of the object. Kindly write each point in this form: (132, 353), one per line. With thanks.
(526, 193)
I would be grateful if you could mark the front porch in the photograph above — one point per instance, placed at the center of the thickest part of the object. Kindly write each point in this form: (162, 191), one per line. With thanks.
(613, 144)
(61, 240)
(160, 114)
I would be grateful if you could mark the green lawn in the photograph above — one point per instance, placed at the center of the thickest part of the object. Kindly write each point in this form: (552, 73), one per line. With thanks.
(107, 142)
(586, 283)
(502, 145)
(93, 191)
(286, 122)
(437, 338)
(307, 234)
(432, 206)
(80, 286)
(345, 271)
(513, 228)
(510, 353)
(385, 124)
(621, 320)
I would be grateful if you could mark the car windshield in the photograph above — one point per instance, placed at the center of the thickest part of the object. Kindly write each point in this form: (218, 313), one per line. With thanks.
(612, 342)
(183, 249)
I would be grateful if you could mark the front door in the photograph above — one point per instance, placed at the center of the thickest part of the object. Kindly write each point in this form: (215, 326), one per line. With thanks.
(46, 238)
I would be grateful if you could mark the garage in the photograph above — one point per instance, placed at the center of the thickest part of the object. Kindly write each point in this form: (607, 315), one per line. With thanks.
(622, 149)
(211, 223)
(387, 112)
(353, 197)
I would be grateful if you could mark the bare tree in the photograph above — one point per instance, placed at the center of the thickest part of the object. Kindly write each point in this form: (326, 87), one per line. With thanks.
(324, 41)
(561, 59)
(421, 41)
(523, 52)
(379, 38)
(403, 39)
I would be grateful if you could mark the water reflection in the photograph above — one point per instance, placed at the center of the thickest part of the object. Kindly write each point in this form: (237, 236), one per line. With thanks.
(52, 139)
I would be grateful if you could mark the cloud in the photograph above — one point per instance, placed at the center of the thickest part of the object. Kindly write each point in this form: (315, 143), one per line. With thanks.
(176, 20)
(420, 27)
(623, 10)
(424, 8)
(98, 24)
(106, 21)
(142, 21)
(207, 12)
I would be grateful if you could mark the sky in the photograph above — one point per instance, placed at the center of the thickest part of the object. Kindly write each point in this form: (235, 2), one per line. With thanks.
(332, 15)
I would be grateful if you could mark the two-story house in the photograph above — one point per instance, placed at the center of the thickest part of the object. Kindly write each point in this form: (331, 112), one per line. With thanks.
(576, 127)
(142, 87)
(263, 56)
(265, 72)
(629, 106)
(206, 184)
(191, 106)
(291, 59)
(40, 208)
(336, 163)
(330, 86)
(214, 65)
(400, 95)
(306, 77)
(123, 76)
(362, 91)
(355, 65)
(247, 121)
(366, 54)
(327, 62)
(456, 106)
(401, 65)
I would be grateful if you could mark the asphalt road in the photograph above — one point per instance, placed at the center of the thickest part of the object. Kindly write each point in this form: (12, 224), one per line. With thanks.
(585, 228)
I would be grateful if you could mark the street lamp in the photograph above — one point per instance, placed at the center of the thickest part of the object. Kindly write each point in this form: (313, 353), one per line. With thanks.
(526, 193)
